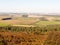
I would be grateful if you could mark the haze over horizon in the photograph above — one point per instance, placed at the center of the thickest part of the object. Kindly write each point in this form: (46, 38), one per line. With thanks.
(30, 6)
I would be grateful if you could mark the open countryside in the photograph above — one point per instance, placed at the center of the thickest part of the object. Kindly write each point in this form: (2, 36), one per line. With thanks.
(29, 29)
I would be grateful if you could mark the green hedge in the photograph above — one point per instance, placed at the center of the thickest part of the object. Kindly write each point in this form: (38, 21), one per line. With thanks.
(32, 29)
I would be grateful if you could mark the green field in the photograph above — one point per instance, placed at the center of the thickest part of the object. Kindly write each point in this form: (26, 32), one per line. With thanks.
(39, 23)
(3, 24)
(17, 21)
(44, 23)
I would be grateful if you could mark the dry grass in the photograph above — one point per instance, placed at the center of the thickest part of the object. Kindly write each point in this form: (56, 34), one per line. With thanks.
(22, 38)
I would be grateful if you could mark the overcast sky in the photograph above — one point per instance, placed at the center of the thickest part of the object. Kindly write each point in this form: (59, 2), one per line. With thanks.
(30, 6)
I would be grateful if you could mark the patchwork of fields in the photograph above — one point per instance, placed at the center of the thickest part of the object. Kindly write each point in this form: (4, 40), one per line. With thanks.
(29, 31)
(27, 21)
(19, 21)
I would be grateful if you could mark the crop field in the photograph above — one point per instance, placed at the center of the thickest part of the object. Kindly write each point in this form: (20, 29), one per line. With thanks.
(44, 23)
(30, 22)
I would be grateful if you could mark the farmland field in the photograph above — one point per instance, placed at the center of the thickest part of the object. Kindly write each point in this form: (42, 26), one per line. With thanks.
(19, 21)
(28, 31)
(27, 21)
(44, 23)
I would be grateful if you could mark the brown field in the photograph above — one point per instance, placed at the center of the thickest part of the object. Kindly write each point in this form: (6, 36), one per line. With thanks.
(18, 21)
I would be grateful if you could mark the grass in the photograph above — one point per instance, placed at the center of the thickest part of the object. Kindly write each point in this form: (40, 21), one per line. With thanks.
(3, 24)
(39, 23)
(44, 23)
(23, 38)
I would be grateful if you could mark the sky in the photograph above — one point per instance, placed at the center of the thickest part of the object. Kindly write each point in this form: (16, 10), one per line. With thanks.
(30, 6)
